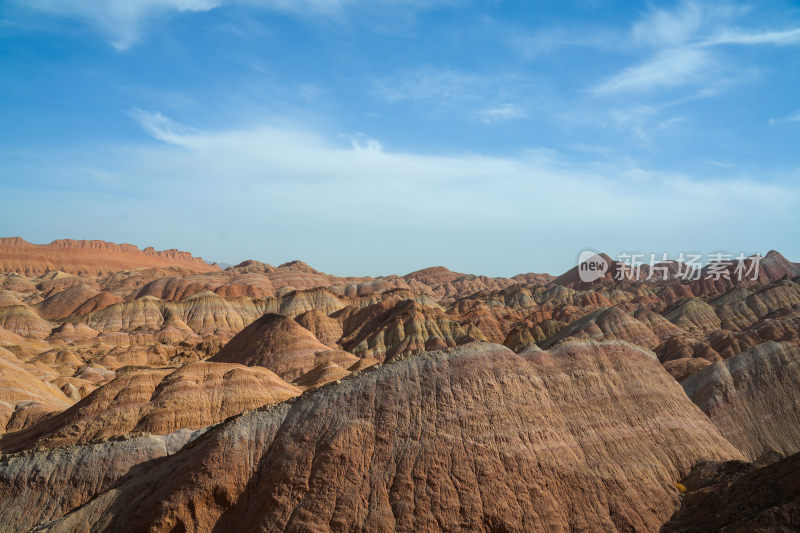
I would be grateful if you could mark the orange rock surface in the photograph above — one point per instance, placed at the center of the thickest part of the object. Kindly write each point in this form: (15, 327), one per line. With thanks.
(276, 342)
(155, 392)
(473, 438)
(157, 400)
(91, 257)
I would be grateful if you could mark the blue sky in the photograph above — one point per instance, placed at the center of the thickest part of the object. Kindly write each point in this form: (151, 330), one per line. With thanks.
(377, 137)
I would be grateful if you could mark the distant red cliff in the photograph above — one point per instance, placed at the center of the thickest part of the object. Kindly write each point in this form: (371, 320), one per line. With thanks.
(89, 257)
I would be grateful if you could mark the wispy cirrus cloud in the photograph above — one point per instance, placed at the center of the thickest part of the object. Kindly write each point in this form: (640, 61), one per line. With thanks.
(427, 83)
(163, 128)
(124, 21)
(643, 120)
(794, 117)
(662, 28)
(120, 20)
(721, 164)
(532, 44)
(271, 173)
(670, 68)
(686, 42)
(659, 28)
(501, 113)
(741, 37)
(470, 95)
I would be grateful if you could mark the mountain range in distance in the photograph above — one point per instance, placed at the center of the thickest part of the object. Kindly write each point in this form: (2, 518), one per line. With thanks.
(152, 391)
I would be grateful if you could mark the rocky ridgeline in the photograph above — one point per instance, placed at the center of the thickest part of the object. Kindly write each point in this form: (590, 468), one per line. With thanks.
(432, 401)
(471, 438)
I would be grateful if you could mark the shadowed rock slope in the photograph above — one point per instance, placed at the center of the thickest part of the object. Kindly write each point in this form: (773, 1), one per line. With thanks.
(585, 436)
(753, 398)
(41, 486)
(387, 328)
(737, 497)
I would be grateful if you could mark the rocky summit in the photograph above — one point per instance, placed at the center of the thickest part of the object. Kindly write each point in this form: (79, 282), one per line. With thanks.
(152, 391)
(94, 257)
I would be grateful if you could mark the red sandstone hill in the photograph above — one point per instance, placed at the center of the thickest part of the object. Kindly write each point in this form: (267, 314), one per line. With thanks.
(113, 417)
(275, 342)
(585, 437)
(89, 257)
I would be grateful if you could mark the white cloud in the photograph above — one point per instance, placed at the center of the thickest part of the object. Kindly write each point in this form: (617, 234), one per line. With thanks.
(300, 5)
(741, 37)
(362, 142)
(664, 28)
(669, 122)
(467, 96)
(425, 208)
(163, 128)
(535, 43)
(794, 117)
(501, 113)
(442, 85)
(349, 206)
(685, 54)
(670, 68)
(642, 120)
(121, 20)
(635, 119)
(722, 164)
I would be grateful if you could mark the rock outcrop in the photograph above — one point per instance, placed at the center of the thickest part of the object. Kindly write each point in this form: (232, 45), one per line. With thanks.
(607, 324)
(88, 257)
(383, 330)
(24, 397)
(23, 320)
(159, 401)
(312, 402)
(740, 498)
(275, 342)
(753, 398)
(66, 302)
(328, 330)
(320, 375)
(583, 437)
(36, 487)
